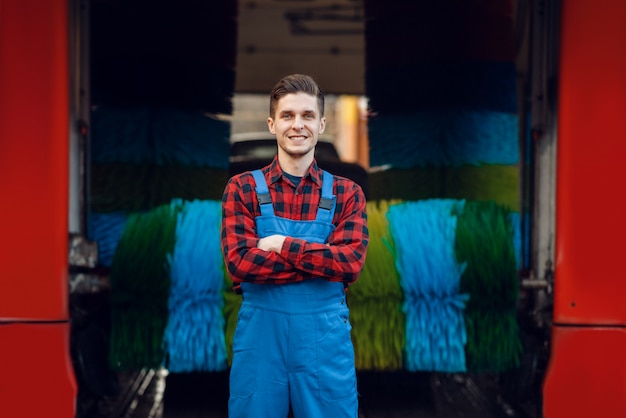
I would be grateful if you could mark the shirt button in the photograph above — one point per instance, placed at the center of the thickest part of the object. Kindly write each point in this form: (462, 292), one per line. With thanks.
(343, 301)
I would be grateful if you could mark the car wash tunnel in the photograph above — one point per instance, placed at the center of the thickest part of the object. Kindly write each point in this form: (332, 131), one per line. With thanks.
(443, 111)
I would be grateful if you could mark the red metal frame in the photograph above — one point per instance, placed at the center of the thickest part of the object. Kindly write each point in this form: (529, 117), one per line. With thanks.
(586, 375)
(36, 376)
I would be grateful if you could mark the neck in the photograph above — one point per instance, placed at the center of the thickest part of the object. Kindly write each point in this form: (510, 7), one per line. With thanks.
(295, 166)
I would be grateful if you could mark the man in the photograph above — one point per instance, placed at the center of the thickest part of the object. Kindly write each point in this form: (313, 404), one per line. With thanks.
(294, 238)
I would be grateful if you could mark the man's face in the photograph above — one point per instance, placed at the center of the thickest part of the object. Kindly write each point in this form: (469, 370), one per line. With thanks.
(297, 124)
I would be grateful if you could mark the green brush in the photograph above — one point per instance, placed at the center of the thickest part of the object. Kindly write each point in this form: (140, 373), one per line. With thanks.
(376, 298)
(493, 341)
(405, 184)
(141, 187)
(140, 284)
(484, 240)
(498, 183)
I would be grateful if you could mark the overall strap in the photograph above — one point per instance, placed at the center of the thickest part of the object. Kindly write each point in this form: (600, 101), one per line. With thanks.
(263, 194)
(326, 210)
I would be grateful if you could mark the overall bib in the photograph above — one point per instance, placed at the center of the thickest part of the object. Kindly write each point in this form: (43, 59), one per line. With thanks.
(292, 342)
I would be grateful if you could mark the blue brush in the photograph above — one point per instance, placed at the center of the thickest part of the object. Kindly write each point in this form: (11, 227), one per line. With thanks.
(424, 235)
(160, 136)
(444, 138)
(106, 229)
(436, 335)
(194, 336)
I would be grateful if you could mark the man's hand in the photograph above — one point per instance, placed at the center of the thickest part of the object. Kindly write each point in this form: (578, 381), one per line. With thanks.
(271, 243)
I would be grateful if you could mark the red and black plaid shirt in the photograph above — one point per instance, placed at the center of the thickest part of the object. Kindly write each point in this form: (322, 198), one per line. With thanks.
(340, 261)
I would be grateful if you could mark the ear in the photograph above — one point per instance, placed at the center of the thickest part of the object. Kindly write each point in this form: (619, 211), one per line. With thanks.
(270, 125)
(322, 125)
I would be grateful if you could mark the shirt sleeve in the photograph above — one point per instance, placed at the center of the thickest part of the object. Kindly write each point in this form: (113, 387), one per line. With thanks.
(244, 261)
(342, 259)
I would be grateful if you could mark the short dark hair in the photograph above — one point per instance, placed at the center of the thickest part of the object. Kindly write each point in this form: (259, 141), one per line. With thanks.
(296, 83)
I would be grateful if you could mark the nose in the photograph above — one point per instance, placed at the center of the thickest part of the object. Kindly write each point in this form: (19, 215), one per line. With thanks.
(298, 122)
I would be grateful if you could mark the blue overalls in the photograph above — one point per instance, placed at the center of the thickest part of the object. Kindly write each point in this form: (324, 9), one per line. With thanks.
(292, 342)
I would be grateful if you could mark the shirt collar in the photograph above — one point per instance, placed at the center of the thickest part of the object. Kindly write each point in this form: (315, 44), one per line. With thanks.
(314, 172)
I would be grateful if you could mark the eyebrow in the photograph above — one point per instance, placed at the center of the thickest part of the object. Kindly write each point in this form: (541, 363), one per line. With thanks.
(289, 111)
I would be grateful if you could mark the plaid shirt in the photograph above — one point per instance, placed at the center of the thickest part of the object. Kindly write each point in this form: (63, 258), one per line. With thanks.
(340, 261)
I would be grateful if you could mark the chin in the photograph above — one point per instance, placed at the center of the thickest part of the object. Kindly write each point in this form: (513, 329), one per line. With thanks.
(299, 151)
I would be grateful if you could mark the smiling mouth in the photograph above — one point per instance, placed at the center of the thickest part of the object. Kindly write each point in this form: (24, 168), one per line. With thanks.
(297, 138)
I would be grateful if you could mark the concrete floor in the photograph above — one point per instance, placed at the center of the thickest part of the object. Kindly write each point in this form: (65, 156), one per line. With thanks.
(156, 394)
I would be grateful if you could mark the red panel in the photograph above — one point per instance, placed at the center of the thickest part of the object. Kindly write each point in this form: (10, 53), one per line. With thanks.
(591, 203)
(34, 136)
(587, 373)
(37, 378)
